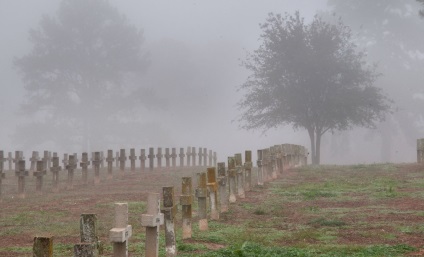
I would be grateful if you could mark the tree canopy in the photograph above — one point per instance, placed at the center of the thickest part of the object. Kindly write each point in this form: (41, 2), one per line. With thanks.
(80, 71)
(310, 76)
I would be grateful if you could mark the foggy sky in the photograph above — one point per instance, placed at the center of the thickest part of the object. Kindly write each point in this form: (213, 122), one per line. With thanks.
(215, 33)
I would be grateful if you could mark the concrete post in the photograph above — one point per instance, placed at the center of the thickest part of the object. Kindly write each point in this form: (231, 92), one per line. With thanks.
(9, 160)
(188, 153)
(273, 159)
(34, 158)
(152, 221)
(90, 244)
(213, 194)
(159, 156)
(248, 170)
(181, 155)
(170, 210)
(110, 160)
(42, 245)
(142, 160)
(205, 156)
(122, 159)
(174, 158)
(65, 160)
(46, 159)
(201, 194)
(120, 234)
(222, 183)
(232, 174)
(215, 158)
(21, 173)
(200, 154)
(186, 201)
(151, 157)
(132, 158)
(210, 156)
(167, 159)
(84, 167)
(39, 177)
(96, 165)
(260, 168)
(117, 160)
(55, 172)
(193, 156)
(240, 176)
(71, 167)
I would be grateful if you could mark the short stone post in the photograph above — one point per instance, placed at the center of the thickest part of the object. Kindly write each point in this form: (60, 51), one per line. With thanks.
(279, 158)
(215, 158)
(65, 160)
(186, 201)
(205, 156)
(193, 156)
(122, 159)
(202, 194)
(55, 173)
(167, 159)
(102, 160)
(260, 168)
(181, 155)
(34, 158)
(76, 158)
(110, 160)
(170, 210)
(9, 160)
(240, 176)
(90, 244)
(142, 160)
(151, 157)
(222, 187)
(248, 170)
(120, 234)
(21, 173)
(273, 159)
(96, 166)
(188, 153)
(232, 174)
(49, 160)
(200, 154)
(84, 167)
(42, 245)
(41, 171)
(174, 158)
(213, 196)
(267, 165)
(210, 156)
(16, 160)
(159, 156)
(46, 159)
(420, 150)
(152, 221)
(132, 158)
(71, 167)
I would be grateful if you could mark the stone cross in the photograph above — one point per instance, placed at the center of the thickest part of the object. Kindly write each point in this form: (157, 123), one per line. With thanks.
(200, 154)
(188, 153)
(72, 165)
(260, 168)
(65, 160)
(159, 156)
(222, 184)
(152, 221)
(151, 157)
(240, 176)
(248, 170)
(210, 156)
(213, 193)
(122, 159)
(193, 156)
(420, 150)
(17, 159)
(21, 173)
(109, 161)
(186, 201)
(205, 156)
(169, 211)
(34, 158)
(202, 194)
(167, 159)
(96, 166)
(174, 157)
(90, 244)
(132, 158)
(42, 245)
(232, 174)
(84, 167)
(181, 155)
(46, 160)
(55, 172)
(142, 160)
(9, 160)
(120, 234)
(41, 171)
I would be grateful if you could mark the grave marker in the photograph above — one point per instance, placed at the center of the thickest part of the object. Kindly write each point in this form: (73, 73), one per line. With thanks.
(174, 158)
(240, 176)
(142, 160)
(122, 159)
(34, 158)
(200, 154)
(84, 167)
(9, 160)
(159, 156)
(215, 158)
(222, 183)
(41, 171)
(2, 174)
(151, 157)
(205, 156)
(46, 159)
(193, 156)
(120, 234)
(117, 159)
(202, 194)
(167, 158)
(232, 174)
(213, 197)
(152, 221)
(260, 168)
(420, 150)
(170, 210)
(90, 244)
(186, 202)
(21, 173)
(96, 166)
(132, 158)
(55, 171)
(71, 167)
(110, 161)
(65, 160)
(42, 245)
(248, 170)
(210, 156)
(188, 156)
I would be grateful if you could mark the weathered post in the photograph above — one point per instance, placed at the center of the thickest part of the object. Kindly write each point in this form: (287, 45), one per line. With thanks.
(167, 159)
(2, 174)
(21, 173)
(71, 167)
(16, 160)
(42, 245)
(120, 234)
(132, 158)
(181, 155)
(240, 176)
(84, 167)
(266, 163)
(96, 166)
(210, 156)
(215, 158)
(34, 158)
(151, 157)
(188, 153)
(41, 171)
(420, 150)
(186, 201)
(222, 187)
(142, 160)
(159, 156)
(46, 159)
(248, 170)
(202, 194)
(170, 210)
(109, 161)
(200, 154)
(55, 172)
(90, 244)
(193, 156)
(260, 168)
(213, 197)
(9, 160)
(273, 159)
(279, 157)
(65, 160)
(102, 160)
(232, 173)
(122, 159)
(76, 158)
(49, 160)
(174, 158)
(152, 221)
(117, 159)
(205, 156)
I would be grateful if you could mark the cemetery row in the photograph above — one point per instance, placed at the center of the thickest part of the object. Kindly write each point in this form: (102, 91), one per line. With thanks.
(50, 162)
(216, 189)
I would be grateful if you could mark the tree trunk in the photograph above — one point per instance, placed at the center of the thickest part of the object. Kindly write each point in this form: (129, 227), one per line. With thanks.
(318, 148)
(312, 138)
(315, 137)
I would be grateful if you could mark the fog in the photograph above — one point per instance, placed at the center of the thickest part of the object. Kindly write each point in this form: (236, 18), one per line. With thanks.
(189, 90)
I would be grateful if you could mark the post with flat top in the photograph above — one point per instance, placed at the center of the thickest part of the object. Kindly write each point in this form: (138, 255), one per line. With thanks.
(193, 156)
(49, 160)
(174, 158)
(65, 160)
(34, 158)
(90, 244)
(420, 150)
(273, 159)
(152, 221)
(159, 156)
(167, 159)
(142, 160)
(200, 154)
(169, 211)
(248, 170)
(46, 159)
(188, 156)
(21, 173)
(151, 157)
(71, 167)
(260, 168)
(240, 176)
(55, 173)
(122, 159)
(222, 184)
(210, 156)
(41, 171)
(42, 245)
(215, 158)
(110, 160)
(232, 175)
(267, 165)
(202, 194)
(16, 160)
(9, 160)
(120, 234)
(102, 160)
(96, 165)
(84, 167)
(186, 201)
(213, 197)
(205, 156)
(181, 155)
(132, 158)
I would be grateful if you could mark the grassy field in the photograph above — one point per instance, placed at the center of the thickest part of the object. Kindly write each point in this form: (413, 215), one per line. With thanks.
(358, 210)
